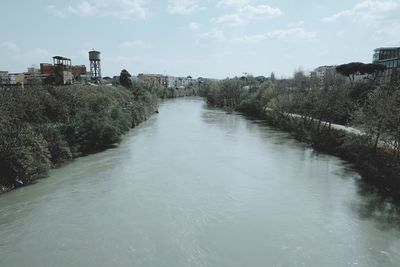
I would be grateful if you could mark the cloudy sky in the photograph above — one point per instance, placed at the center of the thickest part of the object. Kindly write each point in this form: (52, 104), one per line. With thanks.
(207, 38)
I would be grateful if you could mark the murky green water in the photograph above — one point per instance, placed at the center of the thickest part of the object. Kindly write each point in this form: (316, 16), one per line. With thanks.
(195, 186)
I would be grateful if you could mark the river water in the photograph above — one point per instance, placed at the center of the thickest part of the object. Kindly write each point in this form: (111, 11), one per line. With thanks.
(195, 186)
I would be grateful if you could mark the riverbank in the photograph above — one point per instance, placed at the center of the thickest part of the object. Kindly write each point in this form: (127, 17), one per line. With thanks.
(376, 168)
(374, 154)
(43, 127)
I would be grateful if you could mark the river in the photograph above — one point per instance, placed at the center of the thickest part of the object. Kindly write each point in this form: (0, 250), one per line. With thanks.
(195, 186)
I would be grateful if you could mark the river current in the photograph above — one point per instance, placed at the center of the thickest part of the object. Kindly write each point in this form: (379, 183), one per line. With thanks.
(196, 186)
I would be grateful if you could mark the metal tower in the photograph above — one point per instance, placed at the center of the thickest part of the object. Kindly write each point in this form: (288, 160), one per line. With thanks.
(95, 68)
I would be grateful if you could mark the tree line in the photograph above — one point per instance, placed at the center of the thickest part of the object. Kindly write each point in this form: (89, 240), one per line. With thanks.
(301, 106)
(162, 91)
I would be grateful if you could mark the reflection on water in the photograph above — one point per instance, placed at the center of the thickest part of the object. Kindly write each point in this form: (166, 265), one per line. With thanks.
(195, 186)
(373, 206)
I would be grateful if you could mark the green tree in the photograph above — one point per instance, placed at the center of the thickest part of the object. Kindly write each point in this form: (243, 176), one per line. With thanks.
(24, 154)
(373, 118)
(125, 79)
(357, 68)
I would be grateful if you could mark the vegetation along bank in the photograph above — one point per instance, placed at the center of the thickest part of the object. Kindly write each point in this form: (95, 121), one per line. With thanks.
(371, 107)
(42, 127)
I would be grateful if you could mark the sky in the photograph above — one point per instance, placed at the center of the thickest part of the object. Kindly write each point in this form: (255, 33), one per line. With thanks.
(201, 38)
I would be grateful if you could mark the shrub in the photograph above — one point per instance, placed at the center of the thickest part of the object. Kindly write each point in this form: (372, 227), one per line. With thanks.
(24, 154)
(44, 126)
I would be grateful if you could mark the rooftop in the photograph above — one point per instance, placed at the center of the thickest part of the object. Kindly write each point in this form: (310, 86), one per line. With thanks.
(386, 48)
(61, 58)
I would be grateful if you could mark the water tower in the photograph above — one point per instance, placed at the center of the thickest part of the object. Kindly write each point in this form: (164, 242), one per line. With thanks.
(95, 69)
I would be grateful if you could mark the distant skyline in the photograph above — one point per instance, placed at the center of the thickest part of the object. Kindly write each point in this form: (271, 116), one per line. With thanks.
(201, 38)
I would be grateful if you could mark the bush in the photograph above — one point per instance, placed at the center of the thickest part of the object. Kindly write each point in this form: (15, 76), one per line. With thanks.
(24, 155)
(45, 126)
(58, 147)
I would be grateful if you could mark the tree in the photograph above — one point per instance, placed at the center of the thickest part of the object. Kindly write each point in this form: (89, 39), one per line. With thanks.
(395, 77)
(349, 70)
(24, 154)
(357, 68)
(272, 77)
(300, 80)
(125, 79)
(374, 117)
(231, 92)
(374, 70)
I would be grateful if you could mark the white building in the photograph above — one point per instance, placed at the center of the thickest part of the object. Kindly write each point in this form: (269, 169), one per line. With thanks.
(327, 76)
(179, 82)
(324, 76)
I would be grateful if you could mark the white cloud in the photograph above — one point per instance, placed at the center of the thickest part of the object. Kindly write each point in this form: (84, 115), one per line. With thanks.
(255, 38)
(11, 46)
(229, 20)
(287, 34)
(232, 3)
(84, 9)
(135, 44)
(260, 11)
(245, 13)
(55, 12)
(368, 11)
(182, 7)
(245, 8)
(290, 34)
(194, 26)
(342, 14)
(377, 5)
(123, 9)
(212, 35)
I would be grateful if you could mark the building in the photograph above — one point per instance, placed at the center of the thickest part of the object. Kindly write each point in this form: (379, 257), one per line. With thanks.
(390, 57)
(4, 78)
(16, 79)
(327, 76)
(153, 80)
(31, 77)
(172, 82)
(179, 82)
(47, 69)
(62, 71)
(324, 76)
(78, 71)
